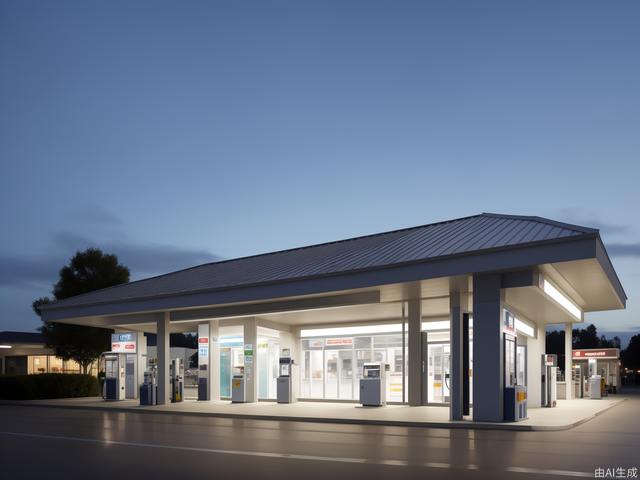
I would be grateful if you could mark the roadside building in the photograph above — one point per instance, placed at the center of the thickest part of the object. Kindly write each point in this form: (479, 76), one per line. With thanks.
(25, 353)
(456, 309)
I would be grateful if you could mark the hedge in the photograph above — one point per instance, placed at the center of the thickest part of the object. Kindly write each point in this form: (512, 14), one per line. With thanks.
(48, 385)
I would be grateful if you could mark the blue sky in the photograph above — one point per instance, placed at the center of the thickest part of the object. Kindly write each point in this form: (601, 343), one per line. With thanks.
(174, 133)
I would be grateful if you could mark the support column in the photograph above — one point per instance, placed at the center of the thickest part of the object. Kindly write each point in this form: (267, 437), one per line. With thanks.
(294, 343)
(488, 351)
(414, 321)
(457, 303)
(214, 360)
(251, 360)
(568, 355)
(162, 335)
(535, 349)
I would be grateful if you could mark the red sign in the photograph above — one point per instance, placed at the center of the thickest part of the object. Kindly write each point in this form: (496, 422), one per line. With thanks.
(123, 347)
(203, 340)
(338, 341)
(612, 353)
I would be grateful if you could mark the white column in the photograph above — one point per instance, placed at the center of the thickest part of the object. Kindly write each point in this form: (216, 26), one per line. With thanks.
(457, 304)
(414, 321)
(568, 354)
(535, 349)
(214, 360)
(488, 350)
(164, 355)
(251, 361)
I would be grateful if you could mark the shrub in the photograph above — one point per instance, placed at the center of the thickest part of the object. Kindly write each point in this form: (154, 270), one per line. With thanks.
(48, 385)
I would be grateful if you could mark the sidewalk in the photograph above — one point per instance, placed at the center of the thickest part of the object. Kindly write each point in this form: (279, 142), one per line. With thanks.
(568, 413)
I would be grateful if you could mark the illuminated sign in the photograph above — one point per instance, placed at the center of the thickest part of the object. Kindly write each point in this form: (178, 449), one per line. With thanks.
(606, 353)
(509, 323)
(203, 345)
(124, 342)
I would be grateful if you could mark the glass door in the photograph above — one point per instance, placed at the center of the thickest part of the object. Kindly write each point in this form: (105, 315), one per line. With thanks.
(331, 374)
(345, 371)
(438, 372)
(521, 364)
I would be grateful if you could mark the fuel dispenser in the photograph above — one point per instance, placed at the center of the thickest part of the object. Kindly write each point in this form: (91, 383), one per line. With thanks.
(595, 380)
(237, 385)
(595, 387)
(373, 384)
(149, 388)
(114, 376)
(203, 382)
(515, 403)
(203, 362)
(287, 391)
(124, 365)
(578, 381)
(176, 373)
(549, 378)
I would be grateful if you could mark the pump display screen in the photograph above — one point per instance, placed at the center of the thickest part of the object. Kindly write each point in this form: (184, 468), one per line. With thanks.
(371, 371)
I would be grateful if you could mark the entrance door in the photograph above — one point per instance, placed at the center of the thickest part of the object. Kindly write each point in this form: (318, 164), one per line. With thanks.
(331, 374)
(438, 372)
(435, 368)
(345, 370)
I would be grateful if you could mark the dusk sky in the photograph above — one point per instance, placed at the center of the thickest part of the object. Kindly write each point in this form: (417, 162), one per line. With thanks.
(176, 133)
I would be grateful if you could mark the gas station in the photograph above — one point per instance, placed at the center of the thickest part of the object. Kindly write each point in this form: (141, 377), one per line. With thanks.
(450, 315)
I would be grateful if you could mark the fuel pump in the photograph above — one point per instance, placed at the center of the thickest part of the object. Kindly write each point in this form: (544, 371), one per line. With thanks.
(114, 376)
(287, 378)
(237, 385)
(373, 384)
(578, 381)
(177, 379)
(124, 365)
(149, 387)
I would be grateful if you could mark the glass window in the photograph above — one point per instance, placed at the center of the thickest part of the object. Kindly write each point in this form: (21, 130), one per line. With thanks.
(331, 374)
(317, 374)
(509, 361)
(71, 366)
(268, 361)
(37, 364)
(362, 342)
(521, 364)
(331, 367)
(55, 364)
(387, 341)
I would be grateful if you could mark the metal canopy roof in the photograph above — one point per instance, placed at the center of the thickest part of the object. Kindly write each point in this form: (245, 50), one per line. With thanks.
(466, 236)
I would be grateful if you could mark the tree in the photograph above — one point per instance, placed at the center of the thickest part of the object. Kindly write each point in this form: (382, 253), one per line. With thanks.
(631, 354)
(586, 337)
(87, 271)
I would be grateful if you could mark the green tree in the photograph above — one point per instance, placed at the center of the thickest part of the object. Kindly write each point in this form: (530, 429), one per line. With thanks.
(87, 271)
(586, 337)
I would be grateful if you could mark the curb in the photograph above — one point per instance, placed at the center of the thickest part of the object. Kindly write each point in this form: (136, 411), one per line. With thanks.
(345, 421)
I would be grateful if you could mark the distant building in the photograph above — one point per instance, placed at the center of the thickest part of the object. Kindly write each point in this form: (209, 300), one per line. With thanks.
(25, 353)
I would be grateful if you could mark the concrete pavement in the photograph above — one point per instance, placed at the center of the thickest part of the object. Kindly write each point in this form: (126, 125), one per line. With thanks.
(567, 414)
(67, 443)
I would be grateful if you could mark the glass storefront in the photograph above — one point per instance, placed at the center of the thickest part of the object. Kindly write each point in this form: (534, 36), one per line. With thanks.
(331, 364)
(268, 357)
(438, 361)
